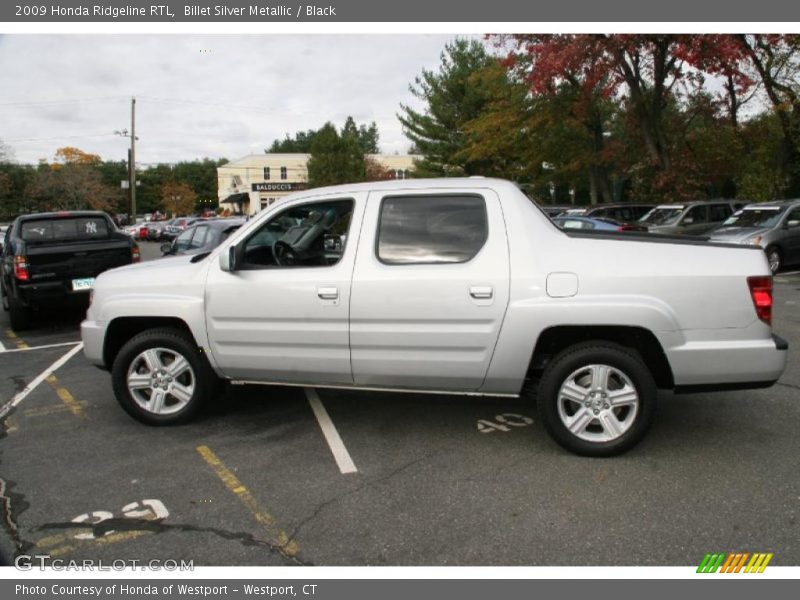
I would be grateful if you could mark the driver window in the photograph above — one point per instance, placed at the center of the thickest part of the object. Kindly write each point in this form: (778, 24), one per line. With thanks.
(306, 235)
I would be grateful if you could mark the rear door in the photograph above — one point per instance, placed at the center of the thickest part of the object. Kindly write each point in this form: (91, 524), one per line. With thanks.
(430, 289)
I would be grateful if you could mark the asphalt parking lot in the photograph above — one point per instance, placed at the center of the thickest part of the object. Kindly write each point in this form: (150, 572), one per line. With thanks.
(414, 480)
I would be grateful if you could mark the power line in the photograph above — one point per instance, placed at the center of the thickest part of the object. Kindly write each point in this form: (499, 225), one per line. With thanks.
(58, 137)
(65, 101)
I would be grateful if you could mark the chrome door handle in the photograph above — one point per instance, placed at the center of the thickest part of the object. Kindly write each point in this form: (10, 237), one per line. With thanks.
(328, 293)
(481, 292)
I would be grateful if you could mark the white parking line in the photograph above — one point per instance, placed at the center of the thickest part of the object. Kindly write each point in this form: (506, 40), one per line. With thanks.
(39, 347)
(340, 453)
(22, 394)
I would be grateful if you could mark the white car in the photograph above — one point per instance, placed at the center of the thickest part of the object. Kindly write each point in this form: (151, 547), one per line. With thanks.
(459, 286)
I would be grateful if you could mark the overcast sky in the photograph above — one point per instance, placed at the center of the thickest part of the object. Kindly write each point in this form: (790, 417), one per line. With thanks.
(199, 95)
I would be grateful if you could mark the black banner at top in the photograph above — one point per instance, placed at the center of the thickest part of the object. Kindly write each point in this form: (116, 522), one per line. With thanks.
(741, 11)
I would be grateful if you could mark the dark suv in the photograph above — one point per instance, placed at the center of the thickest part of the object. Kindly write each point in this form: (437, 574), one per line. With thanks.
(53, 258)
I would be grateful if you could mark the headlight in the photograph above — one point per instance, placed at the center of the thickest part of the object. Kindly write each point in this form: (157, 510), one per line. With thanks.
(755, 240)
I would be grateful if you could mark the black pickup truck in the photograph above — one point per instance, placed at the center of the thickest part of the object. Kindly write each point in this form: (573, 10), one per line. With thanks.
(51, 259)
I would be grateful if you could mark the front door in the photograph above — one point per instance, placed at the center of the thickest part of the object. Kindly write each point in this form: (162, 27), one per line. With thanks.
(430, 290)
(282, 315)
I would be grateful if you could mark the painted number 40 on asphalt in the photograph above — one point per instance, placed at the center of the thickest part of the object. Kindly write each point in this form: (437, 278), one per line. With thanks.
(503, 422)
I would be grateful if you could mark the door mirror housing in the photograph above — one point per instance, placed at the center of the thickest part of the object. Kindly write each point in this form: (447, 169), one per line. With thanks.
(228, 260)
(166, 248)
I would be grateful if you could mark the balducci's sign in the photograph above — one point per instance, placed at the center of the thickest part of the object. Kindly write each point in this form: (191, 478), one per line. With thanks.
(278, 187)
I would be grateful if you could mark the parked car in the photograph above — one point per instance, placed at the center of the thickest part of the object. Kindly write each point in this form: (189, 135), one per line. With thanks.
(624, 212)
(566, 221)
(553, 210)
(155, 229)
(53, 259)
(774, 226)
(689, 218)
(202, 237)
(176, 226)
(586, 223)
(457, 286)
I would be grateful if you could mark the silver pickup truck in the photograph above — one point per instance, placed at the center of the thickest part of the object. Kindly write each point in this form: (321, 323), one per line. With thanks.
(458, 286)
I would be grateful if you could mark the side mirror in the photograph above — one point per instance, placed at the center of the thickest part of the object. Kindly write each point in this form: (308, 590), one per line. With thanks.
(227, 260)
(166, 248)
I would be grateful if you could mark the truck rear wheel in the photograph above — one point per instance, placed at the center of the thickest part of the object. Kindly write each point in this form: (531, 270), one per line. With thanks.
(597, 399)
(20, 316)
(160, 377)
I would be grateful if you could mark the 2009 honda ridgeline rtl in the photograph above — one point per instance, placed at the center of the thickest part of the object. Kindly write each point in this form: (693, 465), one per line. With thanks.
(456, 285)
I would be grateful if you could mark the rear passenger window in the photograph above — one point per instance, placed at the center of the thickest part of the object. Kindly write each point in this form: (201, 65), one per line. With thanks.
(431, 229)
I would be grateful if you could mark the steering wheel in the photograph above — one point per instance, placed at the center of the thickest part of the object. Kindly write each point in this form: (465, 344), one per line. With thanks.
(284, 254)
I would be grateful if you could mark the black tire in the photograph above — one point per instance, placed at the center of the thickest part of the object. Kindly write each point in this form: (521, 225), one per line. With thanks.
(626, 361)
(4, 297)
(205, 381)
(774, 257)
(20, 316)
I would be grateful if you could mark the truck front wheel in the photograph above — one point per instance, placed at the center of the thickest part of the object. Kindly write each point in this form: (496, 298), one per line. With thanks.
(160, 377)
(597, 399)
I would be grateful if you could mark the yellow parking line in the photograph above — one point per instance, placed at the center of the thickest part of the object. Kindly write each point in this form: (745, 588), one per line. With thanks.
(111, 538)
(14, 338)
(286, 546)
(50, 410)
(75, 407)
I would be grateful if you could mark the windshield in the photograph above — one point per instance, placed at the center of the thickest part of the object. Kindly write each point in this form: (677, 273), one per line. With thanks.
(662, 215)
(764, 216)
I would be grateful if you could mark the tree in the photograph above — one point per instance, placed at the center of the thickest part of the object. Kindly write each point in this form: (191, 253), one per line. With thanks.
(776, 61)
(6, 153)
(650, 73)
(451, 99)
(72, 182)
(366, 136)
(178, 198)
(574, 113)
(375, 171)
(69, 155)
(335, 158)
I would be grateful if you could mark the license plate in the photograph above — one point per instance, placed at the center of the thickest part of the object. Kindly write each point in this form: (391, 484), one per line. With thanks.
(82, 284)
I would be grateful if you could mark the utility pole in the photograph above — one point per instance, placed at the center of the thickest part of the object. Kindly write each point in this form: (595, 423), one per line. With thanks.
(133, 159)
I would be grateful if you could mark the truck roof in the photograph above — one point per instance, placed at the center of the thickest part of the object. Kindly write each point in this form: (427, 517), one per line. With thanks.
(414, 184)
(62, 214)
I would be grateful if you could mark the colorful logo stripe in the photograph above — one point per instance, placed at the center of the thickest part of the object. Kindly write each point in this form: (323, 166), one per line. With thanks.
(734, 562)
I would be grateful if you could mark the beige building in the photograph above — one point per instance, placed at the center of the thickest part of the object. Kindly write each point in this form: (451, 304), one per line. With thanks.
(255, 181)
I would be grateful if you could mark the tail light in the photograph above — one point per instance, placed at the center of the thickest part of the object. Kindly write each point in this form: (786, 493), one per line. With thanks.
(135, 255)
(21, 268)
(761, 293)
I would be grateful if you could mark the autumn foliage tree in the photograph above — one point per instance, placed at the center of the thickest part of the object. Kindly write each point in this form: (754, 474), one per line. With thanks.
(178, 198)
(71, 182)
